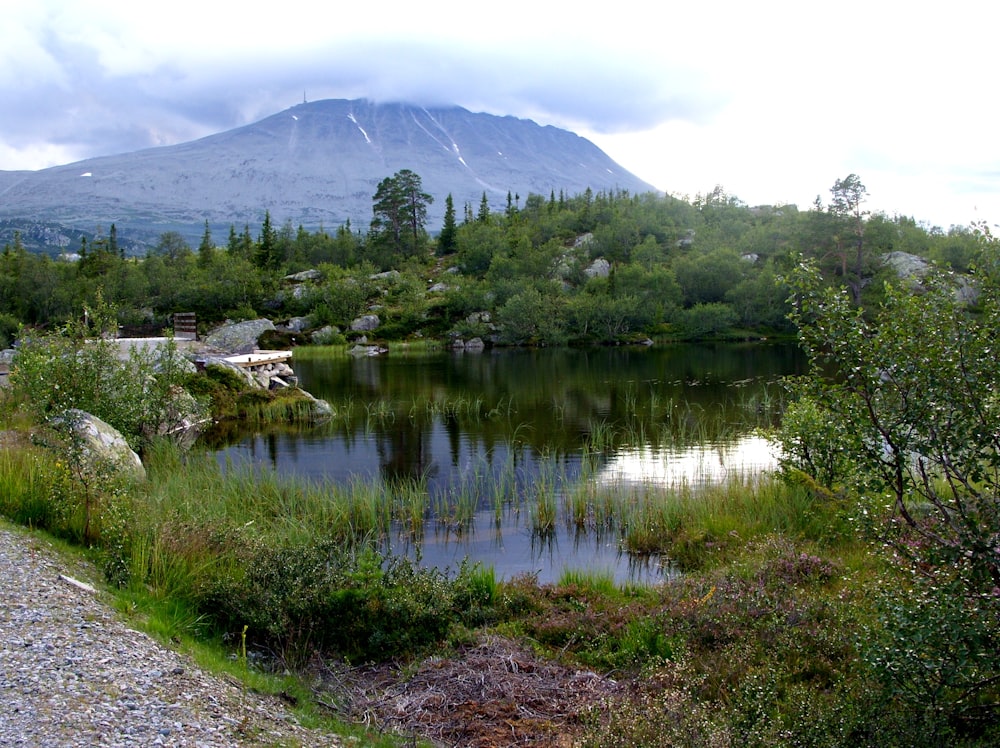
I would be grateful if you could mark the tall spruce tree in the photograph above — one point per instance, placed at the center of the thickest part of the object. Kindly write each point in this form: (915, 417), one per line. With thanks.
(267, 245)
(447, 237)
(205, 249)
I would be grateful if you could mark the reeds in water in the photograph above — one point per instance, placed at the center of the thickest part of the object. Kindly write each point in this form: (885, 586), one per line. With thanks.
(595, 581)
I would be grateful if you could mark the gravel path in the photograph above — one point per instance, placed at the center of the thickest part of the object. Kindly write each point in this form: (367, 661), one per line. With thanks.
(72, 674)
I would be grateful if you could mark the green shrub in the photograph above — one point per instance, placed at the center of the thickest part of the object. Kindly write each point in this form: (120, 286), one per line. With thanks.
(9, 327)
(705, 320)
(935, 650)
(318, 596)
(906, 391)
(54, 373)
(226, 377)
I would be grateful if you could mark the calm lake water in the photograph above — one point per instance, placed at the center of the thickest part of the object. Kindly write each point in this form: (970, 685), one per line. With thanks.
(483, 433)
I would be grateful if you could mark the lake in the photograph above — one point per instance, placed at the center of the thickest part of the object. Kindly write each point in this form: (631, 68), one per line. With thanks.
(495, 442)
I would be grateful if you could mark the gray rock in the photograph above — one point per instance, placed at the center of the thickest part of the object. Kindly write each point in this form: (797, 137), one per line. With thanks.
(320, 408)
(439, 288)
(303, 277)
(906, 265)
(913, 268)
(367, 350)
(366, 323)
(101, 444)
(296, 324)
(966, 292)
(240, 337)
(184, 416)
(479, 318)
(476, 344)
(599, 268)
(325, 335)
(172, 358)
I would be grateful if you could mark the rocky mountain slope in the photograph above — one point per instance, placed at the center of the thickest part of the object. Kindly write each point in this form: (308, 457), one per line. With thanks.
(314, 164)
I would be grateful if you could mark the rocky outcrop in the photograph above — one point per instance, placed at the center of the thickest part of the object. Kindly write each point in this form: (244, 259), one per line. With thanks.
(905, 265)
(303, 277)
(599, 268)
(914, 269)
(475, 345)
(240, 337)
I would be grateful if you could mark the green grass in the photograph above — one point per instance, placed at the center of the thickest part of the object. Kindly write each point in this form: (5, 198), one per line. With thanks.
(203, 551)
(764, 601)
(594, 581)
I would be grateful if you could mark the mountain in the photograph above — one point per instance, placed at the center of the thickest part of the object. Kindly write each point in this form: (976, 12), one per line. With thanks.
(315, 164)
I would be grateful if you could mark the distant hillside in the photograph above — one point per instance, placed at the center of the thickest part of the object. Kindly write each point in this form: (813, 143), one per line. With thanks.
(314, 164)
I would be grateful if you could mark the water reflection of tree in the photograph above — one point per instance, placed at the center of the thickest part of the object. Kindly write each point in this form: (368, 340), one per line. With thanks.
(404, 450)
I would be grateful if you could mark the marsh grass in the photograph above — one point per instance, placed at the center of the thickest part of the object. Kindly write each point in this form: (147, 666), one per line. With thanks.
(412, 505)
(260, 407)
(699, 527)
(456, 510)
(423, 409)
(544, 511)
(592, 581)
(30, 479)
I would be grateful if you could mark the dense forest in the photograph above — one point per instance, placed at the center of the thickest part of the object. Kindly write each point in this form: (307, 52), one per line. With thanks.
(604, 267)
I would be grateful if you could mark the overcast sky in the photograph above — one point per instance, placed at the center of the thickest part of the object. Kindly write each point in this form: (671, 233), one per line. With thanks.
(772, 100)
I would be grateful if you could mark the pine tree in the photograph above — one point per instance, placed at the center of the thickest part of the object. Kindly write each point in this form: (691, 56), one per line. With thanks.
(399, 213)
(267, 245)
(205, 249)
(446, 239)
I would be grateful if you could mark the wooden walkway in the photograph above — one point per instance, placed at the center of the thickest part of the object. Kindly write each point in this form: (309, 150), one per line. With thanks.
(259, 358)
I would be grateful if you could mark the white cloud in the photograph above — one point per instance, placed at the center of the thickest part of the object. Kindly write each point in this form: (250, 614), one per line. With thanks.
(773, 100)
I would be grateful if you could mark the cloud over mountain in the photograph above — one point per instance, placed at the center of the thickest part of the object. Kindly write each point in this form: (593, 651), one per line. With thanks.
(315, 164)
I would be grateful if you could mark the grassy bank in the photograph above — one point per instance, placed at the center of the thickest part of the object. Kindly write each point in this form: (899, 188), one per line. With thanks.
(766, 636)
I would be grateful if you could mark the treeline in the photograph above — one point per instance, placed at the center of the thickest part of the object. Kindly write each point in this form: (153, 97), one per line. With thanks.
(596, 267)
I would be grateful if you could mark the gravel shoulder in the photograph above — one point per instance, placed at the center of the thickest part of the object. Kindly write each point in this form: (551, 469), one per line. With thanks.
(72, 673)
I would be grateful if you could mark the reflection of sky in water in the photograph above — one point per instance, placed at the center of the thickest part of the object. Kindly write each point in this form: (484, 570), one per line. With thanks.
(540, 412)
(693, 466)
(511, 550)
(510, 547)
